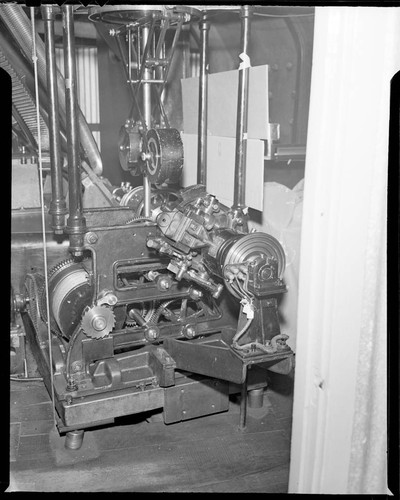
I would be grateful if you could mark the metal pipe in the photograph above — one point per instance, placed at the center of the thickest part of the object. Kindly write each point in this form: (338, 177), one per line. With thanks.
(76, 222)
(58, 207)
(146, 94)
(19, 25)
(204, 26)
(242, 107)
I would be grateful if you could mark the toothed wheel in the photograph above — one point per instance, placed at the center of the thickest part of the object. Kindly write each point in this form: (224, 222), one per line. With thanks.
(70, 291)
(97, 321)
(33, 283)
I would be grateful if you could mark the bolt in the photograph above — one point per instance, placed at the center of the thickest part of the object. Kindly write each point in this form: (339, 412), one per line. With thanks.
(152, 333)
(289, 66)
(71, 385)
(189, 332)
(68, 400)
(77, 367)
(99, 323)
(91, 238)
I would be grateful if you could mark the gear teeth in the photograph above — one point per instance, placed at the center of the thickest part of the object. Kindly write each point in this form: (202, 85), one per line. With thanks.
(105, 317)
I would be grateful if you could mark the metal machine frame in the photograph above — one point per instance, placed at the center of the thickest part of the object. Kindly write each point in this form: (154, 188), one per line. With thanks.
(141, 316)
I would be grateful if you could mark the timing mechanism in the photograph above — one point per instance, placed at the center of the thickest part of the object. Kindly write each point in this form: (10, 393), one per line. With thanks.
(164, 156)
(130, 146)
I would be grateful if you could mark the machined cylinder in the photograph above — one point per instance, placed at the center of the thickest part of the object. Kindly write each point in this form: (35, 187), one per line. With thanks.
(203, 93)
(58, 207)
(147, 118)
(76, 223)
(242, 108)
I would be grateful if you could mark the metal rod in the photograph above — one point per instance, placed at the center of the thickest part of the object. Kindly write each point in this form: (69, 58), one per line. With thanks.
(58, 207)
(161, 38)
(76, 223)
(146, 94)
(243, 403)
(204, 26)
(129, 54)
(242, 107)
(147, 35)
(131, 87)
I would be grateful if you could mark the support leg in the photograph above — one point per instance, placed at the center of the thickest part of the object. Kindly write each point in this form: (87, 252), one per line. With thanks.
(74, 439)
(243, 405)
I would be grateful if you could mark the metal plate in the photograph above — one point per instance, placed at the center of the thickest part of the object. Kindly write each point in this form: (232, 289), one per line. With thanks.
(193, 397)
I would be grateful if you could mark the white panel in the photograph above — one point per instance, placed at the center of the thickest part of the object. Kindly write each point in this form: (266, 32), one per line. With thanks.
(221, 168)
(222, 103)
(87, 84)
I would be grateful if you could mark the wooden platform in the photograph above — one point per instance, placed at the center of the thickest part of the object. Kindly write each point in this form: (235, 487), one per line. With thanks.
(142, 454)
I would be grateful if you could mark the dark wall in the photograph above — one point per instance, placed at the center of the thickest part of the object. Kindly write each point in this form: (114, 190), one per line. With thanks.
(115, 104)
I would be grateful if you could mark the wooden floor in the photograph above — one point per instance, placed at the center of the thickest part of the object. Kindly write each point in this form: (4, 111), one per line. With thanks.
(142, 454)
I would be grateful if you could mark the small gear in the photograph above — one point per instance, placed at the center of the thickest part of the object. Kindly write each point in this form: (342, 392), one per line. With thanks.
(97, 321)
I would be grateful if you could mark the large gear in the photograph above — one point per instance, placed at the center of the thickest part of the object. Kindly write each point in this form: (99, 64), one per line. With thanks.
(70, 290)
(97, 321)
(33, 284)
(42, 294)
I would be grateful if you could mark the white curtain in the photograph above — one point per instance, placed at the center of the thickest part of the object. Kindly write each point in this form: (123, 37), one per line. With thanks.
(339, 416)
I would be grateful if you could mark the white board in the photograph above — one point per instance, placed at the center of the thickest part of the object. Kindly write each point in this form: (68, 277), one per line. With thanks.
(221, 168)
(222, 103)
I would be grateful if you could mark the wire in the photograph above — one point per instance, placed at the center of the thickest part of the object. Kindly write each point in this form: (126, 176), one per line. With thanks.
(241, 332)
(39, 142)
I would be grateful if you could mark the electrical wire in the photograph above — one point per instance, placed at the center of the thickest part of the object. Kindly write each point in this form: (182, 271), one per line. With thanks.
(39, 142)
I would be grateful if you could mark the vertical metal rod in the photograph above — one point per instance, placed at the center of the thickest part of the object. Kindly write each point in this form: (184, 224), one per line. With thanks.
(58, 207)
(203, 92)
(76, 223)
(129, 54)
(243, 403)
(146, 114)
(242, 107)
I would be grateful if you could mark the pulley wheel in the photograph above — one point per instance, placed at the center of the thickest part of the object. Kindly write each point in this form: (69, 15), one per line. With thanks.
(164, 155)
(253, 245)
